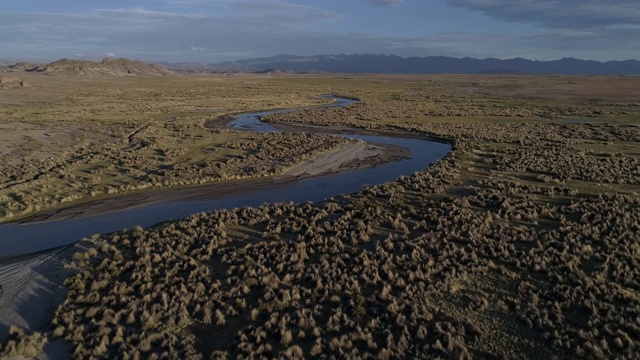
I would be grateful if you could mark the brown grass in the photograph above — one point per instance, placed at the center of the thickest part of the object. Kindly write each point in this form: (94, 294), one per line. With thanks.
(521, 243)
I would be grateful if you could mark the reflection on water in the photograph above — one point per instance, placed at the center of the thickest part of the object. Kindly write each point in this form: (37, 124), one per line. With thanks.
(251, 121)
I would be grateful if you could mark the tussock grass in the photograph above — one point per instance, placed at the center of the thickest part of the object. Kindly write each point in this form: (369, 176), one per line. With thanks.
(507, 247)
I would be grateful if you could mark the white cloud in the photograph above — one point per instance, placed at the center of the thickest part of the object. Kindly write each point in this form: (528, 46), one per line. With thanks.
(276, 10)
(386, 2)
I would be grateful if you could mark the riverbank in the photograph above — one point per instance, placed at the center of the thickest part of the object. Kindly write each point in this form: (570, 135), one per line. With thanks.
(347, 158)
(31, 286)
(31, 289)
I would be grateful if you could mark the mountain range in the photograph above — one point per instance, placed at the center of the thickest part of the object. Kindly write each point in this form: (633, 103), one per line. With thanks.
(391, 64)
(354, 64)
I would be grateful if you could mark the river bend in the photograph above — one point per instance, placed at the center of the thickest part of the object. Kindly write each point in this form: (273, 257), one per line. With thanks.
(19, 239)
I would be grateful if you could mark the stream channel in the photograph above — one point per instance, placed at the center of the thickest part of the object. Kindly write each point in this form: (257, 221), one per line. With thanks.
(20, 239)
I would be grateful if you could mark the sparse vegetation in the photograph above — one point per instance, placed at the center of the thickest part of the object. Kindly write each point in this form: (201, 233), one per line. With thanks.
(94, 148)
(521, 243)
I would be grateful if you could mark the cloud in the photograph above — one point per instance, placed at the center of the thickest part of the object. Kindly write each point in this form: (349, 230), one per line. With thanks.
(277, 10)
(246, 30)
(592, 29)
(110, 54)
(605, 40)
(581, 14)
(152, 35)
(386, 2)
(158, 35)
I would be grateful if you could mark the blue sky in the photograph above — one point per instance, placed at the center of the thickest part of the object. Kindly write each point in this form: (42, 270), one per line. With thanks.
(210, 31)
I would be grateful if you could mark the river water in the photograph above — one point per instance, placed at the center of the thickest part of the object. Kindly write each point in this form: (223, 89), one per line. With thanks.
(19, 239)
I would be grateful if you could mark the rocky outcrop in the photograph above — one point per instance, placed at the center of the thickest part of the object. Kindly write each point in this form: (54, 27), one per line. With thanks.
(11, 82)
(107, 67)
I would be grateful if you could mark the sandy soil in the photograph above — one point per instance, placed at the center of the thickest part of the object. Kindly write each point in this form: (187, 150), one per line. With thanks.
(31, 288)
(26, 143)
(350, 157)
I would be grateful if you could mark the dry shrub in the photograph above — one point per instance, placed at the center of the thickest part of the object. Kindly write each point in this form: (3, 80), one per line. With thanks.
(19, 344)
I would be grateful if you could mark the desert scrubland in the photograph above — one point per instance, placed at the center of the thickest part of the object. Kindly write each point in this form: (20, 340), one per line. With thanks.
(523, 242)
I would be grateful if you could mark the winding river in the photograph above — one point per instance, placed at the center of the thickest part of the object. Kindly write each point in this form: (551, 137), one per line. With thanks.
(18, 239)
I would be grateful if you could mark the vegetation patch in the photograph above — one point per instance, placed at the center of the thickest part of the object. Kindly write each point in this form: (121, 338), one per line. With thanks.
(521, 243)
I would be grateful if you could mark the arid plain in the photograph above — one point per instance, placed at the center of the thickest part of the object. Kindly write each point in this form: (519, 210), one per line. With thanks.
(523, 242)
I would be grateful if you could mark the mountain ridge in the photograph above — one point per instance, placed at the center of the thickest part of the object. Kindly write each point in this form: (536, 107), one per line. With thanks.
(392, 64)
(353, 64)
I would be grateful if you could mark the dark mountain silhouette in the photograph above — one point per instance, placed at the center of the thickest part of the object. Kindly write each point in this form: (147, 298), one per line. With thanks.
(391, 64)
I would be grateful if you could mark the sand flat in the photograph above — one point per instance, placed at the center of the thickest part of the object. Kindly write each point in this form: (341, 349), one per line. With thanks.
(31, 289)
(349, 157)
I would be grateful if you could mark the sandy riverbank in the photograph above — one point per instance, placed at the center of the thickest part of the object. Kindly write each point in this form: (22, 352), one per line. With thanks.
(31, 288)
(350, 157)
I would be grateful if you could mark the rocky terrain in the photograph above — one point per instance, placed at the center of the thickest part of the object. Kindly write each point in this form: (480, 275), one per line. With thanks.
(11, 82)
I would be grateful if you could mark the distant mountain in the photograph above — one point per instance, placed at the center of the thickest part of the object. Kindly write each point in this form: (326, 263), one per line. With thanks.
(391, 64)
(185, 66)
(106, 67)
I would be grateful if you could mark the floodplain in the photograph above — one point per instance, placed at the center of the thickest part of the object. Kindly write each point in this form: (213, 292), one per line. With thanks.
(523, 242)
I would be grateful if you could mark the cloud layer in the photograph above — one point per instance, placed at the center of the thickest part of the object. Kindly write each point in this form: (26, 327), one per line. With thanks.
(255, 29)
(386, 2)
(221, 30)
(560, 13)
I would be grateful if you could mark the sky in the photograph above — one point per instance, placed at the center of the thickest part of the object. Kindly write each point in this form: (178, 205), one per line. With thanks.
(212, 31)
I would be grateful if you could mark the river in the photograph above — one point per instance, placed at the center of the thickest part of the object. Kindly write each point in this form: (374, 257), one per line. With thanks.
(19, 239)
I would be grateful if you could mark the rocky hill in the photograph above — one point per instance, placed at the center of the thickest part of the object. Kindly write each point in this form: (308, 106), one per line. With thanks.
(106, 67)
